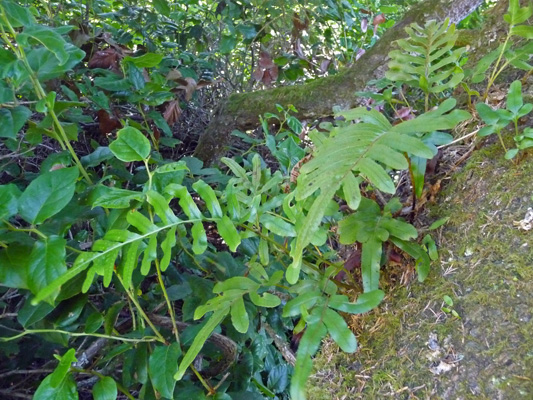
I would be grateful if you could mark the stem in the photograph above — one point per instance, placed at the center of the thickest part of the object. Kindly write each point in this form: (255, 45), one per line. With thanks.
(76, 334)
(31, 230)
(169, 304)
(140, 310)
(501, 141)
(495, 71)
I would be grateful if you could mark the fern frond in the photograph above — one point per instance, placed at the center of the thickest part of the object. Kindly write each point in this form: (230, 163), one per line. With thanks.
(367, 149)
(426, 59)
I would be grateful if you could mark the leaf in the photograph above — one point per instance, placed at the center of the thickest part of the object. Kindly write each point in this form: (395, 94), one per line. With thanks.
(112, 197)
(63, 368)
(105, 389)
(9, 195)
(30, 314)
(370, 264)
(199, 238)
(99, 155)
(167, 246)
(208, 195)
(227, 44)
(305, 300)
(438, 223)
(12, 120)
(130, 145)
(236, 283)
(48, 194)
(66, 390)
(229, 233)
(148, 60)
(186, 201)
(161, 6)
(162, 366)
(278, 378)
(139, 221)
(129, 263)
(277, 225)
(17, 15)
(365, 302)
(266, 300)
(239, 316)
(48, 37)
(199, 341)
(308, 346)
(93, 322)
(514, 97)
(339, 331)
(149, 255)
(46, 263)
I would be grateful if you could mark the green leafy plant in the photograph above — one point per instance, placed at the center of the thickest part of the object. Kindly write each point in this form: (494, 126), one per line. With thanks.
(497, 120)
(449, 306)
(505, 54)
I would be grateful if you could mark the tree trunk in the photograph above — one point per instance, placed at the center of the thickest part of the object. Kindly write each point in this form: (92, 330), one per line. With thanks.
(317, 98)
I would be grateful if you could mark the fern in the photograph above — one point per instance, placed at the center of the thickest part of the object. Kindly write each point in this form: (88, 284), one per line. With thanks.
(367, 150)
(426, 59)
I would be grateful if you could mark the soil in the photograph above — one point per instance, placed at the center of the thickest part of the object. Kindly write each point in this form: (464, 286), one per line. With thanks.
(413, 347)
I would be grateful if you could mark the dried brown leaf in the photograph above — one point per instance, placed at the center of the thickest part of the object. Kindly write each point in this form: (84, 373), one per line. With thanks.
(379, 19)
(107, 123)
(106, 59)
(172, 112)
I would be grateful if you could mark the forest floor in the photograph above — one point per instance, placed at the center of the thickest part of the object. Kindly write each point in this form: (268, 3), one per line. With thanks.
(410, 348)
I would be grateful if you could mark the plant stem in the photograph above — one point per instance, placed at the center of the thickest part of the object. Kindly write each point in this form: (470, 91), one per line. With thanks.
(102, 376)
(169, 304)
(495, 71)
(141, 311)
(76, 334)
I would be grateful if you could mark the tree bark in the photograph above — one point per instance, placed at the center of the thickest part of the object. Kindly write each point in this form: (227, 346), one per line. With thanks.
(317, 98)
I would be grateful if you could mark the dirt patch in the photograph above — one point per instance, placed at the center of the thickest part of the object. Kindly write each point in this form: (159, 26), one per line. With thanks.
(411, 347)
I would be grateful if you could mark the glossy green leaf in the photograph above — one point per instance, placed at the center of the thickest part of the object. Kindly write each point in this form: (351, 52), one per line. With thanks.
(239, 316)
(139, 221)
(227, 44)
(12, 120)
(229, 233)
(199, 238)
(370, 264)
(305, 300)
(148, 60)
(16, 15)
(237, 282)
(63, 368)
(30, 314)
(130, 145)
(111, 197)
(199, 341)
(186, 201)
(162, 7)
(111, 317)
(339, 331)
(9, 195)
(266, 300)
(264, 253)
(514, 97)
(161, 207)
(93, 322)
(46, 262)
(48, 37)
(47, 195)
(277, 225)
(365, 302)
(237, 170)
(167, 245)
(105, 389)
(208, 195)
(149, 255)
(350, 188)
(65, 390)
(308, 346)
(129, 263)
(162, 366)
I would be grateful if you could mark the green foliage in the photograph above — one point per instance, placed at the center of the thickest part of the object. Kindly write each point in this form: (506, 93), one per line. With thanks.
(497, 120)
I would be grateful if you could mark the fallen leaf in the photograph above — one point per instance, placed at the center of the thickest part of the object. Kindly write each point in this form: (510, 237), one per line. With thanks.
(105, 59)
(107, 123)
(379, 19)
(172, 112)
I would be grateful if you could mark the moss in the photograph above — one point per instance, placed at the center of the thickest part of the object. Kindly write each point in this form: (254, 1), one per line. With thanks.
(487, 268)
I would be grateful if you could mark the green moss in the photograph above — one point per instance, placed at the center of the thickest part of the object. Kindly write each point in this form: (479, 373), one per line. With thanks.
(487, 268)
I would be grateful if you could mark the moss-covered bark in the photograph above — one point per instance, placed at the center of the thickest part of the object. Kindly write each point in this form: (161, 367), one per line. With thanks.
(317, 98)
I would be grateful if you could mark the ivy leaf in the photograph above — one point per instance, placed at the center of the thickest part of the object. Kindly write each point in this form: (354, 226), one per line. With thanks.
(47, 195)
(105, 389)
(131, 145)
(162, 366)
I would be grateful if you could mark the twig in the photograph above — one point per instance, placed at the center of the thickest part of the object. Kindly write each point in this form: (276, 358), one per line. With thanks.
(9, 394)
